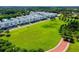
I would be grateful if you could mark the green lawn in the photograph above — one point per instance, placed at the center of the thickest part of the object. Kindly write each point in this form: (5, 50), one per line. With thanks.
(41, 35)
(74, 47)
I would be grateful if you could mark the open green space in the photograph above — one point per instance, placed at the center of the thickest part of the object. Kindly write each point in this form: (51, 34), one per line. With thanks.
(44, 35)
(74, 47)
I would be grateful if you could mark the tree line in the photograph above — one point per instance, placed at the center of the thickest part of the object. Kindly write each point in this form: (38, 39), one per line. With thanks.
(12, 12)
(70, 30)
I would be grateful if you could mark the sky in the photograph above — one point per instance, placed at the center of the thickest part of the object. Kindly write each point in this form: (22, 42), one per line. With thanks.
(39, 2)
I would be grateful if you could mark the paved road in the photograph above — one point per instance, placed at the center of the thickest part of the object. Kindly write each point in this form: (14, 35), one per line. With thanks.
(27, 25)
(61, 47)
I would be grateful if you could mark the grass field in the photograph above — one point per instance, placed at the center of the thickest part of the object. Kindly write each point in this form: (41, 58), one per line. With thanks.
(43, 35)
(74, 47)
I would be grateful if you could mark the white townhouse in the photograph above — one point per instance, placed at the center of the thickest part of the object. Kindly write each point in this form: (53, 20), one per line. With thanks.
(31, 18)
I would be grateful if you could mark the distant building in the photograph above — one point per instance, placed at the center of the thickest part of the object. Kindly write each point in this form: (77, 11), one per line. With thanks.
(31, 18)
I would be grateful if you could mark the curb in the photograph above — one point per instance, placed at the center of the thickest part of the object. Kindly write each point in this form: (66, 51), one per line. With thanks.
(66, 47)
(26, 25)
(58, 45)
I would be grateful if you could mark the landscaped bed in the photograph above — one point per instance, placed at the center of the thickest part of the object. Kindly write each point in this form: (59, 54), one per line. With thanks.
(44, 35)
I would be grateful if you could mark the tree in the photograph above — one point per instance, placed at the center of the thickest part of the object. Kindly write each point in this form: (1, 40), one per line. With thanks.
(8, 35)
(67, 30)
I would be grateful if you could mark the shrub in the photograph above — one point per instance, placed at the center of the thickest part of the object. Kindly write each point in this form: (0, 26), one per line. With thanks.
(1, 34)
(40, 50)
(8, 35)
(32, 50)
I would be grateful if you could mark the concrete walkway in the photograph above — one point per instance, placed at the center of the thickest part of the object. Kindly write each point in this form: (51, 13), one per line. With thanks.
(61, 47)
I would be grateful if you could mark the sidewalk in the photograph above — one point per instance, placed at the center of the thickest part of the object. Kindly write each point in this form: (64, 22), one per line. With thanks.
(61, 47)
